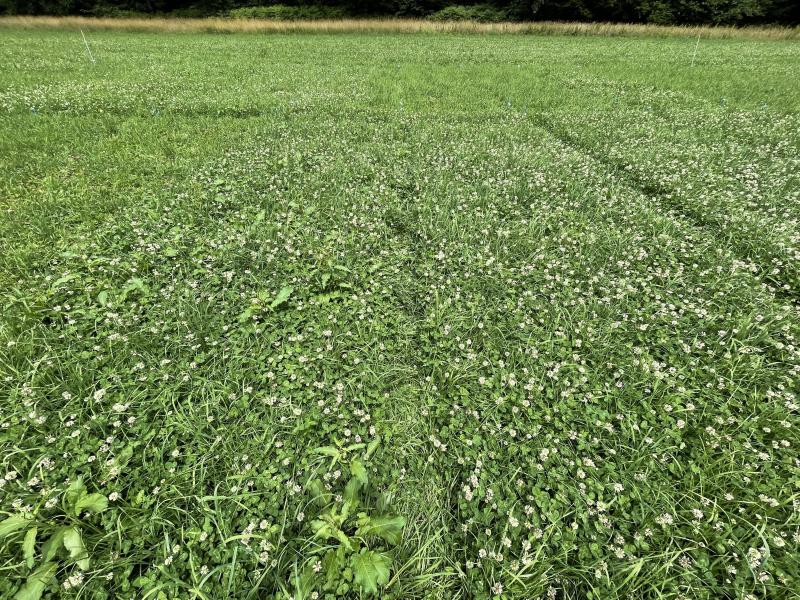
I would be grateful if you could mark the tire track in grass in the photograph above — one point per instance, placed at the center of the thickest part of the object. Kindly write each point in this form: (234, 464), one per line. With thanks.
(750, 146)
(750, 236)
(488, 308)
(361, 174)
(782, 285)
(425, 252)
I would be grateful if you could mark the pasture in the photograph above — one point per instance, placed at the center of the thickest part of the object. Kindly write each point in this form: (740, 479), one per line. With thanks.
(433, 315)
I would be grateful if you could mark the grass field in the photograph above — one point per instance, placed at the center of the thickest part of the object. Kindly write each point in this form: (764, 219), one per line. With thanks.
(404, 316)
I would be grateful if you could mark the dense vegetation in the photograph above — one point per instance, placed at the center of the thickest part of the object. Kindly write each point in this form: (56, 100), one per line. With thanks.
(429, 317)
(716, 12)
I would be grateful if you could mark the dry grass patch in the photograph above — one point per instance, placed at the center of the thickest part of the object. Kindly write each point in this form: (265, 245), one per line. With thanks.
(223, 25)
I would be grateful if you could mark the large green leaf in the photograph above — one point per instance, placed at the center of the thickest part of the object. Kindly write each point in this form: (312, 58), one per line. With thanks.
(370, 570)
(29, 546)
(351, 497)
(94, 503)
(282, 297)
(123, 457)
(359, 471)
(12, 524)
(351, 491)
(318, 493)
(303, 582)
(327, 451)
(74, 545)
(373, 445)
(51, 547)
(75, 491)
(37, 581)
(326, 531)
(389, 528)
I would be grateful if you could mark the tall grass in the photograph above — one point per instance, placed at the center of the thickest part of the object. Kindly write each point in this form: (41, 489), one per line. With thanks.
(222, 25)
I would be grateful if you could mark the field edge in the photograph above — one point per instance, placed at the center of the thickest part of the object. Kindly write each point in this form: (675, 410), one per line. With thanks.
(393, 25)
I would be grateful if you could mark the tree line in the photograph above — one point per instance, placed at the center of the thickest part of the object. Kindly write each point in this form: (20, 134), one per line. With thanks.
(712, 12)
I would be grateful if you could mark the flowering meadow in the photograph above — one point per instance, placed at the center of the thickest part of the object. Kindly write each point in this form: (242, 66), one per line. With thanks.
(399, 316)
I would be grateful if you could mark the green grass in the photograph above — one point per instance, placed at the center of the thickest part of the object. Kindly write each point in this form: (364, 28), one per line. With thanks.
(416, 316)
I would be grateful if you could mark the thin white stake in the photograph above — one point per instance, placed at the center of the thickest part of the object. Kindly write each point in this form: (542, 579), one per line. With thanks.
(695, 49)
(87, 47)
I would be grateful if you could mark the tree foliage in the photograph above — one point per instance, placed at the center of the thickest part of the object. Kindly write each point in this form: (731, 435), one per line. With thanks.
(716, 12)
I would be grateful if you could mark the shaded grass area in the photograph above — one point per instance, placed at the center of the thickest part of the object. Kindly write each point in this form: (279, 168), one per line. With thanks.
(523, 308)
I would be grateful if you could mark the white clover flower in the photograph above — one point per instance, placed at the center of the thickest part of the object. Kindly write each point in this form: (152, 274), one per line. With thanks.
(665, 519)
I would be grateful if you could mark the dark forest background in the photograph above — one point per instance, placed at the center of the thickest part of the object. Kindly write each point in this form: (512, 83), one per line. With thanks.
(713, 12)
